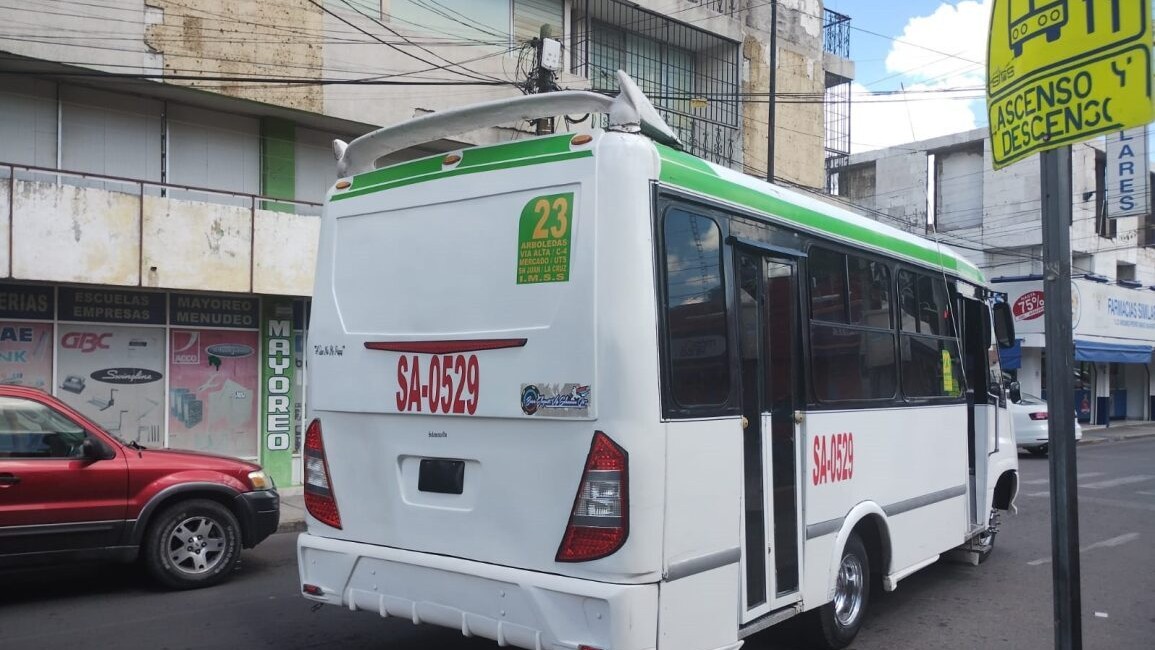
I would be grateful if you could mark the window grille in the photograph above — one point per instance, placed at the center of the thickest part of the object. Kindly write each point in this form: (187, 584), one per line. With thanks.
(690, 75)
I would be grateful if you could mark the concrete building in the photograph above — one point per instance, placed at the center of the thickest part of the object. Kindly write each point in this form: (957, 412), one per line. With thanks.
(162, 165)
(946, 188)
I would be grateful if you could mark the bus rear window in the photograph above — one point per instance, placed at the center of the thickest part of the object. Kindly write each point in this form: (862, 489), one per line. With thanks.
(698, 358)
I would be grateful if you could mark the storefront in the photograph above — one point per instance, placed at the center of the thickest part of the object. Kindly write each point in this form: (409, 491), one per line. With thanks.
(206, 372)
(1114, 334)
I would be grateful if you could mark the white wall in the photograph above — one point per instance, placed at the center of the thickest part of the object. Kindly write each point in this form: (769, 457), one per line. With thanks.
(1010, 231)
(28, 130)
(67, 233)
(110, 133)
(316, 166)
(214, 149)
(196, 245)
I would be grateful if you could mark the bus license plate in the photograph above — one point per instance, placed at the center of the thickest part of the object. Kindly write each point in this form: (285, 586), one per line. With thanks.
(440, 475)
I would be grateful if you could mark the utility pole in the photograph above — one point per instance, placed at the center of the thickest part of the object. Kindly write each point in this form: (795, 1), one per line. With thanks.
(543, 79)
(773, 90)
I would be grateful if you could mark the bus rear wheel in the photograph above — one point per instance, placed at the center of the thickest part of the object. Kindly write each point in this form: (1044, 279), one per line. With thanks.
(835, 624)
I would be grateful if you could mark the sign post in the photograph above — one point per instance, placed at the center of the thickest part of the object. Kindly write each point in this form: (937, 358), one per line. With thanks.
(1060, 72)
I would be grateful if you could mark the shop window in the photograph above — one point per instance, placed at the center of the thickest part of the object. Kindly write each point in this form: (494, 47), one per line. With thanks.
(26, 354)
(214, 386)
(696, 327)
(214, 391)
(114, 375)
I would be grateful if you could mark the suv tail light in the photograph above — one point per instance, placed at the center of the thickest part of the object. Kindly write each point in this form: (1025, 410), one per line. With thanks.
(1041, 415)
(599, 522)
(319, 500)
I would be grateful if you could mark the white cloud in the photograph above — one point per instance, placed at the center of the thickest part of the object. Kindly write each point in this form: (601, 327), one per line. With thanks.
(945, 50)
(877, 122)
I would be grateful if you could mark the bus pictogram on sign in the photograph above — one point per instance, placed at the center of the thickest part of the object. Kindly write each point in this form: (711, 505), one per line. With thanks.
(1030, 19)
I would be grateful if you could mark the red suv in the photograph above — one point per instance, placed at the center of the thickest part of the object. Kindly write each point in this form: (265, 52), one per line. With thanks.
(71, 491)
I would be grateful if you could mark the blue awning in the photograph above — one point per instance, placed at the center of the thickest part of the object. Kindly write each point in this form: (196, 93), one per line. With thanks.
(1111, 352)
(1012, 358)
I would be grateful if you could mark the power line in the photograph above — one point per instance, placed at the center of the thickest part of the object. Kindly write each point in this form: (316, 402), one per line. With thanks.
(397, 48)
(255, 79)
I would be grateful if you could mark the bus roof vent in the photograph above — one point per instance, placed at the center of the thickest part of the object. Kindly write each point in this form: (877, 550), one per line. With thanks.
(630, 111)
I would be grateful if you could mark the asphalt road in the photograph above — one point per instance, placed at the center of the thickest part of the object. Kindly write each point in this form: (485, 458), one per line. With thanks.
(1005, 603)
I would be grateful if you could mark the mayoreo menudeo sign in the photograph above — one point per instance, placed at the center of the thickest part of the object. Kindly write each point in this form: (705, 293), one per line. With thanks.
(1062, 71)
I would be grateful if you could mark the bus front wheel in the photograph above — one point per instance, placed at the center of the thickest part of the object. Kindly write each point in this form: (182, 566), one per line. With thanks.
(835, 624)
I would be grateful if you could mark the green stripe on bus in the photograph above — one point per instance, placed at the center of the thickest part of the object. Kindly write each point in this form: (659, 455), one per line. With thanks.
(548, 146)
(682, 170)
(461, 171)
(507, 151)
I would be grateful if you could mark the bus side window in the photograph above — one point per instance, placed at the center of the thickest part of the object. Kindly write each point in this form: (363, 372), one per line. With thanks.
(851, 336)
(698, 345)
(931, 363)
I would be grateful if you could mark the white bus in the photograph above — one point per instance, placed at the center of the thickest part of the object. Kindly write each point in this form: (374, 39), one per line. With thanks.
(589, 391)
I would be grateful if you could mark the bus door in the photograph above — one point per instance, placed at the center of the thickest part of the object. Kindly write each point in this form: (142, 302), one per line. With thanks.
(768, 317)
(983, 394)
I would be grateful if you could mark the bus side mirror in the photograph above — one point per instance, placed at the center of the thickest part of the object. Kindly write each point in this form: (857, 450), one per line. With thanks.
(1014, 391)
(1004, 322)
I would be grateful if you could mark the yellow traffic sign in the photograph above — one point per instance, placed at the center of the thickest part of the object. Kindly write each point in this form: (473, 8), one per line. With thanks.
(1062, 71)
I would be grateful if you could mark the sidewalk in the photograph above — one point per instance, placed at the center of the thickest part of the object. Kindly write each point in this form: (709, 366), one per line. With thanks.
(1121, 430)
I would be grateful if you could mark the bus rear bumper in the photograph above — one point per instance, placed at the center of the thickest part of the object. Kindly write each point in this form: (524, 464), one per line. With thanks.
(514, 607)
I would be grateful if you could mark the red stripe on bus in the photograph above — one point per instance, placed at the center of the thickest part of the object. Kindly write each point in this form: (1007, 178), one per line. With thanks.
(445, 347)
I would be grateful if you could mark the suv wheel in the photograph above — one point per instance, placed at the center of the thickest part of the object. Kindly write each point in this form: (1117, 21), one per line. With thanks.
(194, 543)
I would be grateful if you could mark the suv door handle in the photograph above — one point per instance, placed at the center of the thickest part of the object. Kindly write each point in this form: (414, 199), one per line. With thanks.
(8, 479)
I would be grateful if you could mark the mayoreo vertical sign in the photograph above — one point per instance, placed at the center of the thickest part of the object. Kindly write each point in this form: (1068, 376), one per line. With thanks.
(277, 389)
(1062, 71)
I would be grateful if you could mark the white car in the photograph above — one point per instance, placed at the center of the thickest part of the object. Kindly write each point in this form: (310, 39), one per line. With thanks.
(1029, 416)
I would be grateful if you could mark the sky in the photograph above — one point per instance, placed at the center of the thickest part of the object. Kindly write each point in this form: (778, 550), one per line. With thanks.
(934, 50)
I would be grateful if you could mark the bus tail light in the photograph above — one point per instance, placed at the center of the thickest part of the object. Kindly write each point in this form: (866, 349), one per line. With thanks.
(319, 499)
(1041, 415)
(599, 522)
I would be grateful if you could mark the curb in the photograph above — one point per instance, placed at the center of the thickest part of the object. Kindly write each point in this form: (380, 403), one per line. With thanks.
(291, 527)
(1120, 437)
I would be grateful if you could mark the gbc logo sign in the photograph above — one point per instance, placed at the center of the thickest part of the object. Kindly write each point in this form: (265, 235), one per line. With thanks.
(85, 341)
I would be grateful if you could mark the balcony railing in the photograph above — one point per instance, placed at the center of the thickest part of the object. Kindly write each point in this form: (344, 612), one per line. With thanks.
(836, 33)
(12, 172)
(76, 227)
